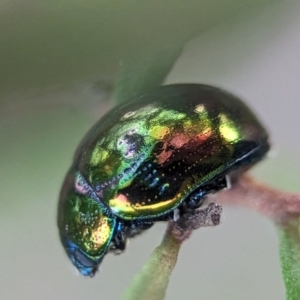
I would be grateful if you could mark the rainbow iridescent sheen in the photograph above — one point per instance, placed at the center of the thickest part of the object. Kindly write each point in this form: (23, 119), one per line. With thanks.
(86, 223)
(144, 159)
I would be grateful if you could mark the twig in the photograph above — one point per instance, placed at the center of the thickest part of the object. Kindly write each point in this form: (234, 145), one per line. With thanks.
(277, 205)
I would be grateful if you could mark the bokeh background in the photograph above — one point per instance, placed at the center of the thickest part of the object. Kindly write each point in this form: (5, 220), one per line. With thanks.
(57, 62)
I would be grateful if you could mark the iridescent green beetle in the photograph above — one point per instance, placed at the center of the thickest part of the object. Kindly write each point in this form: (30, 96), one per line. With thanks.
(161, 151)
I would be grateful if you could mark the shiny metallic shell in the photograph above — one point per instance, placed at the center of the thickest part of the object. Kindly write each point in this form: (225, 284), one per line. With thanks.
(84, 223)
(144, 158)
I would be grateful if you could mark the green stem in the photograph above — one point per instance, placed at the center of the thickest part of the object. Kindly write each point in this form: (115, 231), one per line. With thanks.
(290, 258)
(152, 281)
(146, 71)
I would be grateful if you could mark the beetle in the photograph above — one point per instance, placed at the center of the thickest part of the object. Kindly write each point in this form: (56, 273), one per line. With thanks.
(161, 152)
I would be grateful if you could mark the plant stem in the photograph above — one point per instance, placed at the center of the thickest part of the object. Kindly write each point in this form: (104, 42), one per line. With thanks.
(152, 281)
(290, 258)
(277, 205)
(139, 74)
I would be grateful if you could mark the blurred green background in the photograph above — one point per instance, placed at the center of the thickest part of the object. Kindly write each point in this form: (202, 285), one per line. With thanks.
(57, 62)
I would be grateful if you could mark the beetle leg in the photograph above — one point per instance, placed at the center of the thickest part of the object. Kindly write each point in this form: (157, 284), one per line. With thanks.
(137, 227)
(119, 240)
(125, 230)
(197, 198)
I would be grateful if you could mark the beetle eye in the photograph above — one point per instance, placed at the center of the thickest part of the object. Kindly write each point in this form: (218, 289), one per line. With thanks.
(83, 259)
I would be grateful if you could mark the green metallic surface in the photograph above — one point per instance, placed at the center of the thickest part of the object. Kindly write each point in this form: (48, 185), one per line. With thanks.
(82, 220)
(144, 158)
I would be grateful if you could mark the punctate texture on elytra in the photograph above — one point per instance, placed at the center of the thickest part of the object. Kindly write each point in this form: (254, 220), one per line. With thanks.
(162, 150)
